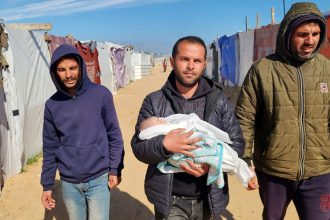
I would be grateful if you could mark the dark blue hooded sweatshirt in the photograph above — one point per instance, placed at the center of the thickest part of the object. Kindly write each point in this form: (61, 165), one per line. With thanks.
(81, 134)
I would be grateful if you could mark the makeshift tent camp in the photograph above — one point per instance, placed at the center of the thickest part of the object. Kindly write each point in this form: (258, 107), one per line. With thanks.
(142, 64)
(214, 54)
(10, 127)
(236, 56)
(128, 62)
(118, 56)
(265, 41)
(107, 75)
(31, 70)
(158, 61)
(122, 63)
(216, 60)
(26, 86)
(55, 41)
(209, 65)
(88, 51)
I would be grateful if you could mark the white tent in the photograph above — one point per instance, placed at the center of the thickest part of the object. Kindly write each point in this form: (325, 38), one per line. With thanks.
(11, 129)
(34, 85)
(26, 86)
(129, 68)
(106, 65)
(142, 64)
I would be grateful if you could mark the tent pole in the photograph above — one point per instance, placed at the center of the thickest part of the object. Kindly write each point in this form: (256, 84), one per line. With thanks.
(246, 23)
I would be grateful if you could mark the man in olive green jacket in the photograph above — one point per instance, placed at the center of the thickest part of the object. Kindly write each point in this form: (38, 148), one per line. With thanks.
(284, 112)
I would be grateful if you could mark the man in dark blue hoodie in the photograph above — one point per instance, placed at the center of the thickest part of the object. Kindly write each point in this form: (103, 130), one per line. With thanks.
(81, 138)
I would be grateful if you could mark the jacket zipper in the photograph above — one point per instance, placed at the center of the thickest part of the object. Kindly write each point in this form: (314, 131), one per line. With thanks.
(170, 194)
(301, 125)
(77, 151)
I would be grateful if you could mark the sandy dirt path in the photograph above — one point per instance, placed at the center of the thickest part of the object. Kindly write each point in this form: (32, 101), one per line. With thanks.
(20, 198)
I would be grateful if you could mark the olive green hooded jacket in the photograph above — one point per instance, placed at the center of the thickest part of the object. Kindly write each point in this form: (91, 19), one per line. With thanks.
(284, 108)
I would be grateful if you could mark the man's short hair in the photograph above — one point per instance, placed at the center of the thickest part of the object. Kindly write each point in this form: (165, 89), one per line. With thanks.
(190, 39)
(68, 57)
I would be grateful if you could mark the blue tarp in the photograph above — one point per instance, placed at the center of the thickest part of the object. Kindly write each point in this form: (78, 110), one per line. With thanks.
(228, 68)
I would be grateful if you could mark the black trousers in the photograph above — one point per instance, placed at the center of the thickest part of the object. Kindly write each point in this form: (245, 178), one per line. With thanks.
(184, 208)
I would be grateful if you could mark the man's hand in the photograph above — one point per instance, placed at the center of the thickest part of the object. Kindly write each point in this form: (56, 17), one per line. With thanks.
(253, 183)
(178, 142)
(114, 181)
(194, 169)
(47, 200)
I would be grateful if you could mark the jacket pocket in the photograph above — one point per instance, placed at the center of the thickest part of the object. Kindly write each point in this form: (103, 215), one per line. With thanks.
(67, 160)
(92, 159)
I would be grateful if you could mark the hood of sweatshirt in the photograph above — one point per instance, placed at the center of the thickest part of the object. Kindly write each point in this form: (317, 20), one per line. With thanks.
(83, 82)
(298, 13)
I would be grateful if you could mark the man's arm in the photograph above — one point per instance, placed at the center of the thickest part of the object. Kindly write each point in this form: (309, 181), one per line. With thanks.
(246, 110)
(51, 144)
(159, 148)
(150, 151)
(113, 181)
(229, 124)
(47, 200)
(115, 140)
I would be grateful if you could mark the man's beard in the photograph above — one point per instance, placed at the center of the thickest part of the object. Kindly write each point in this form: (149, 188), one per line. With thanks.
(306, 56)
(182, 82)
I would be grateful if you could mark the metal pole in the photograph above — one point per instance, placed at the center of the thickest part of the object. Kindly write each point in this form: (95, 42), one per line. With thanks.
(283, 8)
(258, 21)
(246, 23)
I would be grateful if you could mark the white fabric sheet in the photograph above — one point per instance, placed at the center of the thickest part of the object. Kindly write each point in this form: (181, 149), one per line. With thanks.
(107, 77)
(12, 134)
(31, 61)
(246, 44)
(231, 162)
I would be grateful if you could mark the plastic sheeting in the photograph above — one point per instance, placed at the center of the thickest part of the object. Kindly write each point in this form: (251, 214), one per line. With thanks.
(245, 40)
(11, 128)
(217, 71)
(142, 64)
(3, 135)
(129, 70)
(265, 41)
(107, 75)
(90, 54)
(325, 50)
(209, 64)
(31, 60)
(118, 56)
(55, 41)
(229, 58)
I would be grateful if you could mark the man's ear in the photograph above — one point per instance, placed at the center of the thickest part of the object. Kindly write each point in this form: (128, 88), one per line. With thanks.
(172, 61)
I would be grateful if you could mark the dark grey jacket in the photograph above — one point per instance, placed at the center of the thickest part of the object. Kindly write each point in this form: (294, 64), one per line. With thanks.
(158, 186)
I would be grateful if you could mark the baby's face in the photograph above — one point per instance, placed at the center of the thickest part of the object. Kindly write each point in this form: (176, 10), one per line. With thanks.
(160, 121)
